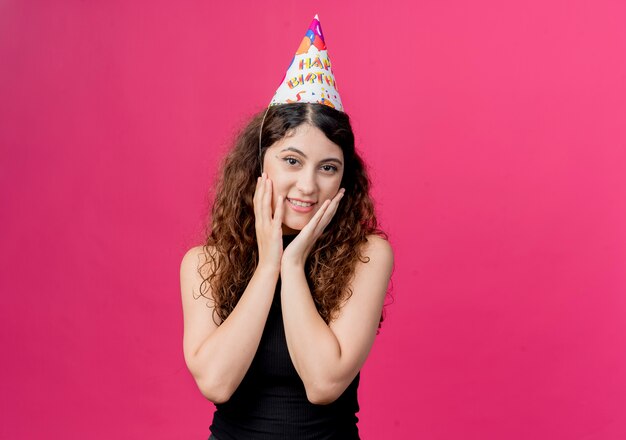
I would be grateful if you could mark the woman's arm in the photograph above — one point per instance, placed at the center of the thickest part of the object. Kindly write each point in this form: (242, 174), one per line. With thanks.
(328, 357)
(218, 357)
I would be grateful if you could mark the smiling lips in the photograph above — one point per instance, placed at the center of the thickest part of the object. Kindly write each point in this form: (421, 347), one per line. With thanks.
(301, 205)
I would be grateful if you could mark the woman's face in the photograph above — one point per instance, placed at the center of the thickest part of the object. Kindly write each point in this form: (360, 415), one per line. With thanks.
(306, 169)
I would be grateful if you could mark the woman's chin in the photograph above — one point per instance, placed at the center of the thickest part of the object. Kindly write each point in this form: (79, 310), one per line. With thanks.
(296, 221)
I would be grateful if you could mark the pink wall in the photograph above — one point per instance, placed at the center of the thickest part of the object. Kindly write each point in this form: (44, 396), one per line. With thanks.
(497, 143)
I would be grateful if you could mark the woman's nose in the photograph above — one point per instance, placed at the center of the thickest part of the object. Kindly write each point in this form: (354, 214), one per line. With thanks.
(306, 183)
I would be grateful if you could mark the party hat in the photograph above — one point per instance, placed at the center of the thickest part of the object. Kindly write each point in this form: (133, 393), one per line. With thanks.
(309, 77)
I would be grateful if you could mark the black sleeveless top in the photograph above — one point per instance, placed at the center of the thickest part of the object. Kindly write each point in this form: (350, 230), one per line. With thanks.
(271, 403)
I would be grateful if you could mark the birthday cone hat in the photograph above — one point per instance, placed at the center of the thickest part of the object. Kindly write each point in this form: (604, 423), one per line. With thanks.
(309, 77)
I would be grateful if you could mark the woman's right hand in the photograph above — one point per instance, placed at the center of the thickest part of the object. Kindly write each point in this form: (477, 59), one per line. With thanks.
(269, 230)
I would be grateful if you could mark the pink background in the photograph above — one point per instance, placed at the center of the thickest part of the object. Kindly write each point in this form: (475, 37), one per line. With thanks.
(496, 138)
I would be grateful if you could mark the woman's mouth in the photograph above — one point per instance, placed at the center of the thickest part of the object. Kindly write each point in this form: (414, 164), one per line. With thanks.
(300, 206)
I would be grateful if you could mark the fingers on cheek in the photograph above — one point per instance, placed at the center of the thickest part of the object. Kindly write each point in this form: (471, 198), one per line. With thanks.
(277, 204)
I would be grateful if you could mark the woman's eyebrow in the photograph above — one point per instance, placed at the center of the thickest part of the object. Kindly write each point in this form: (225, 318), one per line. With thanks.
(328, 159)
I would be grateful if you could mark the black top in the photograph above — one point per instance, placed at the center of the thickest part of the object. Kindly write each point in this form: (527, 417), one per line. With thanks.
(271, 403)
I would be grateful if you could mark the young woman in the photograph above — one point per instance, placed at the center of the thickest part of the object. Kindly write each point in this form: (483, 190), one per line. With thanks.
(282, 303)
(296, 272)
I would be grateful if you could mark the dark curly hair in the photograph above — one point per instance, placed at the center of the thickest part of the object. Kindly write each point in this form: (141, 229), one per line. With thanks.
(231, 246)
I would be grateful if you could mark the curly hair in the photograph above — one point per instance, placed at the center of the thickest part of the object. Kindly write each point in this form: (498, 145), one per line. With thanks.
(231, 246)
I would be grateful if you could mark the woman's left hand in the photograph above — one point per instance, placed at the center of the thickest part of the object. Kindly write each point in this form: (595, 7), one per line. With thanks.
(299, 249)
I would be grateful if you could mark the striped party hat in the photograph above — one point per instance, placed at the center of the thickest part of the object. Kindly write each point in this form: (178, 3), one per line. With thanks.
(309, 77)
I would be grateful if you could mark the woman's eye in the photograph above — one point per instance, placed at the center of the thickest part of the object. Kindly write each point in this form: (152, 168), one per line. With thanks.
(291, 160)
(329, 168)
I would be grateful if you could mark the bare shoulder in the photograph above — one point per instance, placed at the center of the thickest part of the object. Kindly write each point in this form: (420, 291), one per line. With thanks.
(379, 251)
(194, 268)
(373, 271)
(369, 287)
(191, 256)
(195, 259)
